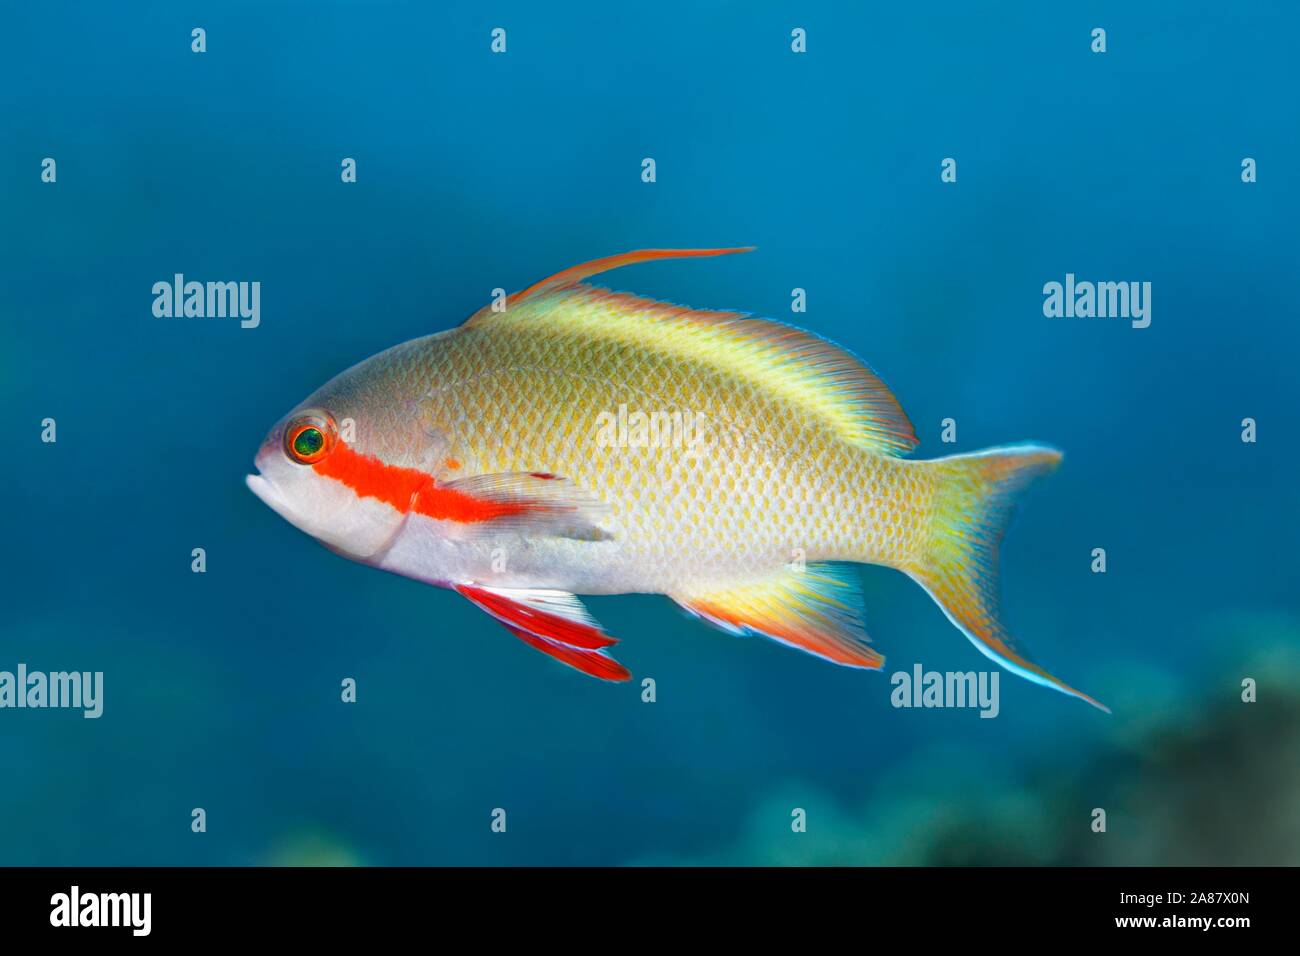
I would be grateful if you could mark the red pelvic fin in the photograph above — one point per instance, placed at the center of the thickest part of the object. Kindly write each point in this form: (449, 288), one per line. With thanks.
(595, 663)
(554, 622)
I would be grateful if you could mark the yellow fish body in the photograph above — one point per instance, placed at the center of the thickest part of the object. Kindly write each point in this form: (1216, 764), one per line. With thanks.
(582, 441)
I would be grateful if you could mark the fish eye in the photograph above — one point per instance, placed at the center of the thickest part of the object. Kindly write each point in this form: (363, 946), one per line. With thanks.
(309, 438)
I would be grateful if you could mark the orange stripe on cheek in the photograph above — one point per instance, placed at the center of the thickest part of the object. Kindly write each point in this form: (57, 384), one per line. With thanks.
(371, 478)
(409, 489)
(447, 504)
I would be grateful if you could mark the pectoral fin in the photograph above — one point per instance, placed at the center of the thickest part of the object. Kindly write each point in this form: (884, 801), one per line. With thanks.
(817, 609)
(554, 622)
(524, 502)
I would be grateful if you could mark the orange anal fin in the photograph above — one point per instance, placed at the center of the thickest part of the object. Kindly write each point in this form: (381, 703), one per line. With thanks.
(817, 609)
(575, 274)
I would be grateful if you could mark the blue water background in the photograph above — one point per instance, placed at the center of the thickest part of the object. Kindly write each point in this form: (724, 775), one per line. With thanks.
(477, 171)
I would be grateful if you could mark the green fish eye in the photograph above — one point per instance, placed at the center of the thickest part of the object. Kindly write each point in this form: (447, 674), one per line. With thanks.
(307, 443)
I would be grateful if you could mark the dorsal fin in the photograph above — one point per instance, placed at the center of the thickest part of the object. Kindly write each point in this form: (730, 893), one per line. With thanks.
(575, 274)
(831, 384)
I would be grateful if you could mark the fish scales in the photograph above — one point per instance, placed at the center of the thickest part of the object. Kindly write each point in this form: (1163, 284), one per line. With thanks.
(525, 393)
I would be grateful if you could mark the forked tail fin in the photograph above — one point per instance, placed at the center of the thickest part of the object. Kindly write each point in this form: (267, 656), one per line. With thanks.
(958, 565)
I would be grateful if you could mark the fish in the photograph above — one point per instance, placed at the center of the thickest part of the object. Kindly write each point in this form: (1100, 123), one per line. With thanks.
(573, 440)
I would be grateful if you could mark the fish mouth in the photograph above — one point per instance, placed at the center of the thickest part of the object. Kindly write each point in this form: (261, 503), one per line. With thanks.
(259, 486)
(341, 541)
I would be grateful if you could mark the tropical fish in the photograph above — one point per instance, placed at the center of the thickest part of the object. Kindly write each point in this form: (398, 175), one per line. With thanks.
(573, 440)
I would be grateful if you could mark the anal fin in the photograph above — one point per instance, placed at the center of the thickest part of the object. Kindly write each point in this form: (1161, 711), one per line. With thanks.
(817, 609)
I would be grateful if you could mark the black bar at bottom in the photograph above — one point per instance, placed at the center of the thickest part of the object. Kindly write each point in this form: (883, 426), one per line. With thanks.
(330, 905)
